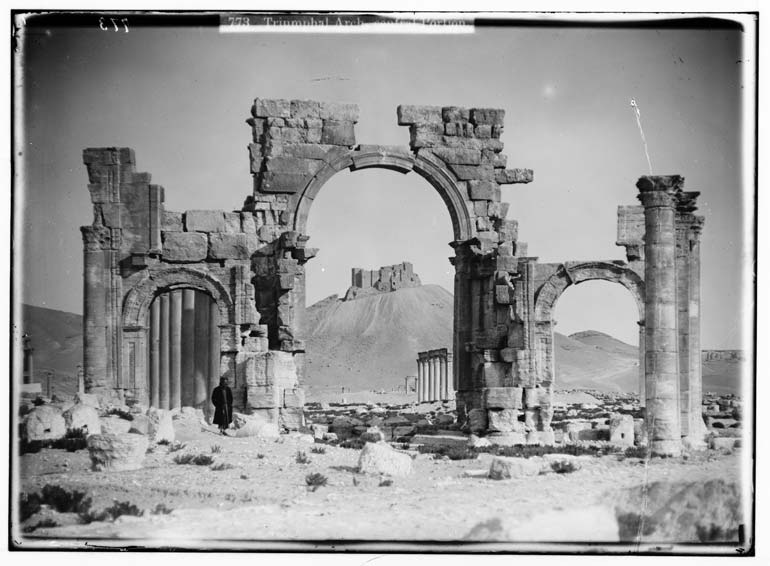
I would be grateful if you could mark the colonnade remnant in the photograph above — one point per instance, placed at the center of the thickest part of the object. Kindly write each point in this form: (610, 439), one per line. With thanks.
(251, 263)
(435, 376)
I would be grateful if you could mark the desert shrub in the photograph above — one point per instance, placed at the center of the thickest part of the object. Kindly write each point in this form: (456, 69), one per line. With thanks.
(194, 459)
(161, 509)
(32, 446)
(216, 449)
(219, 466)
(29, 504)
(386, 482)
(260, 456)
(43, 523)
(38, 401)
(164, 442)
(318, 450)
(125, 415)
(564, 466)
(354, 443)
(117, 509)
(74, 440)
(315, 480)
(636, 452)
(176, 446)
(302, 458)
(65, 501)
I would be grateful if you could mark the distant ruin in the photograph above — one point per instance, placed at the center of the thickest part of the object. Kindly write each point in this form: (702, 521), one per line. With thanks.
(234, 282)
(383, 280)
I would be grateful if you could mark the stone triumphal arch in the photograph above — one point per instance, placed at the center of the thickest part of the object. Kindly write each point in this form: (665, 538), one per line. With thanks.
(141, 260)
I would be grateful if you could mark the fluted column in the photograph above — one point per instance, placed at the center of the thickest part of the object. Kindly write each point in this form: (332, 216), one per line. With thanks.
(657, 194)
(431, 384)
(175, 357)
(642, 398)
(188, 347)
(96, 343)
(697, 427)
(442, 377)
(683, 316)
(215, 349)
(451, 378)
(419, 380)
(424, 364)
(155, 353)
(165, 327)
(201, 369)
(436, 378)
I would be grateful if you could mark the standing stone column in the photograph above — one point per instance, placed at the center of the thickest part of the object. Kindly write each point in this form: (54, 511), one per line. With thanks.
(451, 375)
(442, 377)
(683, 313)
(436, 378)
(419, 380)
(175, 354)
(697, 427)
(424, 364)
(658, 195)
(201, 368)
(165, 327)
(96, 343)
(431, 382)
(155, 353)
(188, 347)
(215, 349)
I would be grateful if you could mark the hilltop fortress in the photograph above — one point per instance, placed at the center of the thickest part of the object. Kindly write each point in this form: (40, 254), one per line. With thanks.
(365, 282)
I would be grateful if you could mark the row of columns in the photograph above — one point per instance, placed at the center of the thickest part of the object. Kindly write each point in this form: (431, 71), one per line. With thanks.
(184, 350)
(435, 376)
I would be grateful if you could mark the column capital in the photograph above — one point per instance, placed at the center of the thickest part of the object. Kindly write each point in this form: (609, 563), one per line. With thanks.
(96, 238)
(686, 201)
(659, 190)
(696, 227)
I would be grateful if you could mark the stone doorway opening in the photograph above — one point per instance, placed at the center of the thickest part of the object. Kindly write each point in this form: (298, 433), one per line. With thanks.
(184, 351)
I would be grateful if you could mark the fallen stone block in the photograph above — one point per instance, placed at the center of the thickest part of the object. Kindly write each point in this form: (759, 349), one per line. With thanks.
(87, 399)
(723, 442)
(382, 459)
(161, 425)
(44, 423)
(83, 417)
(503, 468)
(114, 425)
(117, 452)
(259, 428)
(140, 425)
(319, 430)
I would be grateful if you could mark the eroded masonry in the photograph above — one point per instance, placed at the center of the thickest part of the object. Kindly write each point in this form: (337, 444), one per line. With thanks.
(174, 300)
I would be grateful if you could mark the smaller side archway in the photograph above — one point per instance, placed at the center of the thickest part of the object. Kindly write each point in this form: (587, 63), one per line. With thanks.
(573, 273)
(167, 314)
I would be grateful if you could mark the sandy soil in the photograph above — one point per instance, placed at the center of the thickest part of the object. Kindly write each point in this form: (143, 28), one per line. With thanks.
(264, 497)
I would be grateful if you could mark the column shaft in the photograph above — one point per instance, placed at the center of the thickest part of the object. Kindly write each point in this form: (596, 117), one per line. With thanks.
(155, 353)
(697, 427)
(661, 340)
(175, 371)
(431, 384)
(201, 368)
(419, 380)
(442, 378)
(683, 322)
(163, 386)
(451, 374)
(436, 379)
(95, 342)
(642, 376)
(188, 347)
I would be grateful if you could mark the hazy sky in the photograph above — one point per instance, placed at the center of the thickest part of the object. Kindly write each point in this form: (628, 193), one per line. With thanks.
(180, 98)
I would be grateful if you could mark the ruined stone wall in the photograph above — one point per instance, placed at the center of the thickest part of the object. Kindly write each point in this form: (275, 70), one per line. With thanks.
(388, 278)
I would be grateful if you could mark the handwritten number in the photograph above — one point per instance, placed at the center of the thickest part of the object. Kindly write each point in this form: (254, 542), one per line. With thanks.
(123, 21)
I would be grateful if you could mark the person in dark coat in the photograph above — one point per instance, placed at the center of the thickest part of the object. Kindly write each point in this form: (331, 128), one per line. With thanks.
(222, 399)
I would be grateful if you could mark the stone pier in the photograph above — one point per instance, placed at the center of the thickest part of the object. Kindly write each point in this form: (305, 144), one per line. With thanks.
(434, 371)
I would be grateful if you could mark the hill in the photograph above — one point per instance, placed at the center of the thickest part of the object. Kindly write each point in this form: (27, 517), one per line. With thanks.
(372, 342)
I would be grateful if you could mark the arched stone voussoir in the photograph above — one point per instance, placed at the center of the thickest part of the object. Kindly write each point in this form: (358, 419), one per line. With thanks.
(576, 272)
(396, 158)
(137, 300)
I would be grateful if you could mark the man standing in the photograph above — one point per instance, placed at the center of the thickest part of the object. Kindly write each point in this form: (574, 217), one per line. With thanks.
(222, 399)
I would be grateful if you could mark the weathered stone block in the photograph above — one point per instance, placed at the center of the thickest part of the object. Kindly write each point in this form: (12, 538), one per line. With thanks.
(504, 420)
(294, 398)
(114, 425)
(338, 111)
(383, 459)
(304, 109)
(511, 176)
(263, 397)
(291, 418)
(621, 429)
(205, 220)
(491, 116)
(338, 133)
(44, 423)
(503, 295)
(455, 114)
(83, 417)
(248, 223)
(498, 210)
(503, 398)
(477, 420)
(117, 452)
(408, 114)
(228, 246)
(288, 183)
(171, 222)
(493, 374)
(184, 246)
(508, 230)
(264, 108)
(484, 190)
(504, 468)
(458, 155)
(284, 164)
(473, 172)
(425, 135)
(483, 131)
(232, 222)
(531, 397)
